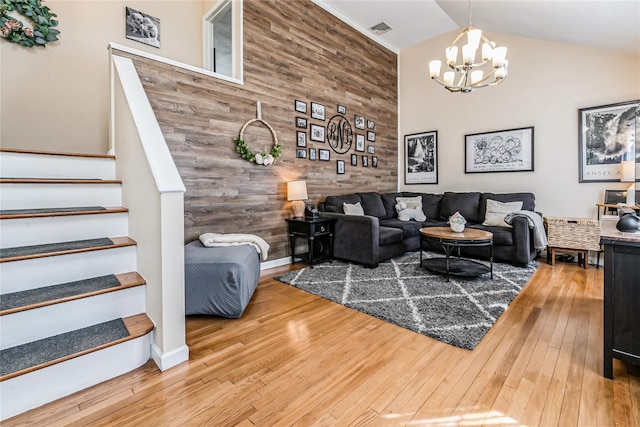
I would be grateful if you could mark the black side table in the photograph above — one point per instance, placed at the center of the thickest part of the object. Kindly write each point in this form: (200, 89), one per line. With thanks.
(319, 235)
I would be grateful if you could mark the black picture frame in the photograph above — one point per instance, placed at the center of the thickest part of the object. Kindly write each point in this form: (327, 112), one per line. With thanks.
(300, 106)
(340, 167)
(142, 28)
(301, 122)
(324, 155)
(301, 153)
(365, 161)
(371, 149)
(371, 124)
(421, 158)
(371, 136)
(374, 161)
(508, 150)
(600, 149)
(312, 154)
(318, 133)
(341, 109)
(301, 139)
(354, 160)
(317, 111)
(358, 122)
(359, 142)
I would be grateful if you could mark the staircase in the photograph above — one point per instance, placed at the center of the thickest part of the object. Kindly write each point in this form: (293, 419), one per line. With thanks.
(72, 306)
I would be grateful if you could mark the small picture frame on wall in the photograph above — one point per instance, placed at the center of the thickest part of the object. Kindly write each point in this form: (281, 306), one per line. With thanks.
(358, 122)
(312, 154)
(374, 161)
(421, 158)
(359, 142)
(365, 161)
(317, 133)
(370, 124)
(324, 155)
(301, 139)
(142, 28)
(371, 149)
(340, 167)
(371, 136)
(354, 160)
(342, 109)
(301, 153)
(300, 106)
(301, 122)
(317, 111)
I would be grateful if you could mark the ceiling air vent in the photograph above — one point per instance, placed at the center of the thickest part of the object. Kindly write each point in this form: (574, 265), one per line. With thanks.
(381, 28)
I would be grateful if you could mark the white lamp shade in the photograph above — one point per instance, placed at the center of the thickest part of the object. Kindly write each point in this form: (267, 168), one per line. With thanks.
(627, 171)
(297, 190)
(434, 68)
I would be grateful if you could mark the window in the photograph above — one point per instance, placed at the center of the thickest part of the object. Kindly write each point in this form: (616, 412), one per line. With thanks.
(222, 39)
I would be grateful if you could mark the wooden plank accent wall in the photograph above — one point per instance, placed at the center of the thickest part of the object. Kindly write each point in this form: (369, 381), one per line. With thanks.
(292, 50)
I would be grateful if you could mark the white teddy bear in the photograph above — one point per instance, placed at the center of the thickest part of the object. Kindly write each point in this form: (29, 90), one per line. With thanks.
(407, 214)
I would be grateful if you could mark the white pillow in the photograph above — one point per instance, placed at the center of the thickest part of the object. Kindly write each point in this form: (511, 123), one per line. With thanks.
(409, 208)
(411, 202)
(355, 209)
(496, 211)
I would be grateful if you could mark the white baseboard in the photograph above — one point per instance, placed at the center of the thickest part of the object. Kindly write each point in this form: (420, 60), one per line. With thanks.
(275, 263)
(170, 359)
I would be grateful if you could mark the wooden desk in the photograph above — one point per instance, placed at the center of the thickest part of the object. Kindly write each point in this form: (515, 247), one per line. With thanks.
(606, 206)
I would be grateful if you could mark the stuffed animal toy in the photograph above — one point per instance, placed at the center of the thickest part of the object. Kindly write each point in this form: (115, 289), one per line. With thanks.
(407, 214)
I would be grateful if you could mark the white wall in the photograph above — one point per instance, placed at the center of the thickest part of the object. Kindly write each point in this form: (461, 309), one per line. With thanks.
(547, 84)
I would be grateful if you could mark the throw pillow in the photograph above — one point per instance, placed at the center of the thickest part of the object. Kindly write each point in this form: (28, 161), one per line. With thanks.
(496, 211)
(354, 209)
(409, 208)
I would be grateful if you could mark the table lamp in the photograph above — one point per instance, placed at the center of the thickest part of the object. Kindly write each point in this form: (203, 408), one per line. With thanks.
(296, 193)
(628, 174)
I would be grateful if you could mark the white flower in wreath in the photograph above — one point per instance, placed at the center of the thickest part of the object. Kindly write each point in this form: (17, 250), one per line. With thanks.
(259, 159)
(268, 159)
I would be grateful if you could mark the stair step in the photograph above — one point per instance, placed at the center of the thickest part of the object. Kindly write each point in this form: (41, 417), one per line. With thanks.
(55, 153)
(63, 248)
(49, 295)
(48, 212)
(39, 354)
(7, 180)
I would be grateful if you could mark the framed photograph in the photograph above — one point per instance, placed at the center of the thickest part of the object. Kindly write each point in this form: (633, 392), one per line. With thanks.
(301, 140)
(371, 136)
(317, 133)
(317, 111)
(370, 124)
(301, 122)
(421, 158)
(300, 106)
(359, 142)
(340, 165)
(142, 28)
(312, 154)
(342, 109)
(607, 135)
(358, 122)
(324, 155)
(354, 160)
(371, 149)
(500, 151)
(365, 161)
(301, 153)
(374, 161)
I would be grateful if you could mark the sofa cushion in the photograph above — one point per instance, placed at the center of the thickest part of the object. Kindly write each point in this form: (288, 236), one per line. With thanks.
(372, 204)
(409, 229)
(389, 235)
(502, 236)
(528, 201)
(355, 209)
(389, 203)
(465, 203)
(334, 203)
(497, 211)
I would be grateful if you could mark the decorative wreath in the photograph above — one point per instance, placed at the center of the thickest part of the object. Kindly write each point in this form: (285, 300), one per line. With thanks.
(261, 158)
(40, 15)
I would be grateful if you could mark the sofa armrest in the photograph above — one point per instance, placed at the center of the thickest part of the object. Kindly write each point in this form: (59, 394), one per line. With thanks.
(522, 240)
(356, 238)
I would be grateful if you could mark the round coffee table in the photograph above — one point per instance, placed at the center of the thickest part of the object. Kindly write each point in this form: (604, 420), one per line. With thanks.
(451, 240)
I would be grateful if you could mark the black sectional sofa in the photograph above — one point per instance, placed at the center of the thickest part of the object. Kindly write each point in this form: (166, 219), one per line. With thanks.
(379, 235)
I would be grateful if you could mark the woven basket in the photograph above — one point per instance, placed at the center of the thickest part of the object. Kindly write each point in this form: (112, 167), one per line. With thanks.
(573, 233)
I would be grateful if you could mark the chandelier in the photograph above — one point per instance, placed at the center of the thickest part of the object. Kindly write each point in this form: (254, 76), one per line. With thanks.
(469, 75)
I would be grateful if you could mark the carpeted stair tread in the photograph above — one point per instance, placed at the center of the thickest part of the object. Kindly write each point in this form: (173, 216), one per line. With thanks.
(34, 298)
(47, 212)
(62, 248)
(35, 355)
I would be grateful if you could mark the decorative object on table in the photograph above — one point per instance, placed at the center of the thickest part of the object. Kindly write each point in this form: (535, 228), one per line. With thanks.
(310, 212)
(317, 111)
(457, 222)
(301, 139)
(324, 155)
(421, 158)
(317, 133)
(300, 106)
(398, 291)
(142, 28)
(296, 193)
(340, 167)
(301, 122)
(374, 161)
(606, 137)
(365, 161)
(261, 158)
(359, 142)
(371, 124)
(628, 222)
(312, 154)
(42, 21)
(500, 151)
(342, 109)
(371, 136)
(339, 134)
(301, 153)
(358, 122)
(468, 75)
(354, 160)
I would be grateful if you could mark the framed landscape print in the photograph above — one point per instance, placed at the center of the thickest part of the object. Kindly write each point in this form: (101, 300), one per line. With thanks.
(607, 135)
(500, 151)
(421, 158)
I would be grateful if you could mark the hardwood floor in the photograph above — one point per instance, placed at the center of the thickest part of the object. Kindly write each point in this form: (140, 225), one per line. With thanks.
(296, 359)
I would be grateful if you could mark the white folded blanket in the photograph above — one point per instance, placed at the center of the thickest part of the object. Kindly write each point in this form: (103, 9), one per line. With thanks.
(217, 239)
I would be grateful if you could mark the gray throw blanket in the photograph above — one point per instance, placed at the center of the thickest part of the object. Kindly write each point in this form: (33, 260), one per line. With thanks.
(535, 222)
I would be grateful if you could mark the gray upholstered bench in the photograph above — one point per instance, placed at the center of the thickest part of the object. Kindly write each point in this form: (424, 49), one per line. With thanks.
(219, 281)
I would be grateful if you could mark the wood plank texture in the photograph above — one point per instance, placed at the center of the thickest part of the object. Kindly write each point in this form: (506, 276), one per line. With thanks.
(296, 359)
(292, 51)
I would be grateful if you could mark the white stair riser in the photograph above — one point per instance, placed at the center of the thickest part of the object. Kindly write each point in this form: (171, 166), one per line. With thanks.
(31, 196)
(54, 229)
(35, 273)
(32, 325)
(34, 389)
(20, 165)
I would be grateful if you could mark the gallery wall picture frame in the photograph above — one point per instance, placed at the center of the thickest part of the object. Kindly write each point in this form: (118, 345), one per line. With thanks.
(301, 153)
(340, 167)
(358, 122)
(371, 136)
(342, 109)
(300, 106)
(142, 28)
(354, 160)
(371, 149)
(606, 138)
(371, 124)
(374, 161)
(301, 139)
(317, 111)
(359, 142)
(317, 133)
(365, 161)
(421, 158)
(301, 122)
(508, 150)
(312, 154)
(324, 155)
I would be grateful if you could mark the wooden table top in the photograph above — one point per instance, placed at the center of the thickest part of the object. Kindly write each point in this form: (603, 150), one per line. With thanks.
(469, 234)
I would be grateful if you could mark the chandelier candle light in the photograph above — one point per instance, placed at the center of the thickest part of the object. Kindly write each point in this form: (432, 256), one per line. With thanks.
(470, 75)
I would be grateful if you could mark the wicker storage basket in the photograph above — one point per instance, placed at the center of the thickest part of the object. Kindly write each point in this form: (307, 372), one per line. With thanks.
(573, 233)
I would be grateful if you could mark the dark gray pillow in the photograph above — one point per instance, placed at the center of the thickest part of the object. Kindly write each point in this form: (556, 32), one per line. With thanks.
(465, 203)
(389, 202)
(372, 204)
(334, 203)
(528, 201)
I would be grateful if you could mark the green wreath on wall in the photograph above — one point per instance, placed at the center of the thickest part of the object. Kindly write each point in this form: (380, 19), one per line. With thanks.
(40, 15)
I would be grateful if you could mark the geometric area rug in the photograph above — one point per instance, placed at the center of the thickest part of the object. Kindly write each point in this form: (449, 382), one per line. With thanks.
(459, 312)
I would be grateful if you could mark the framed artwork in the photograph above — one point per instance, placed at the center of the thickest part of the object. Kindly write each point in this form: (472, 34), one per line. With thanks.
(301, 122)
(354, 160)
(607, 135)
(317, 111)
(374, 161)
(312, 154)
(142, 28)
(342, 109)
(365, 161)
(324, 155)
(300, 106)
(301, 153)
(340, 167)
(359, 142)
(370, 124)
(371, 136)
(301, 140)
(421, 158)
(358, 122)
(317, 133)
(371, 149)
(500, 151)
